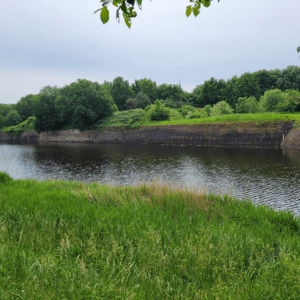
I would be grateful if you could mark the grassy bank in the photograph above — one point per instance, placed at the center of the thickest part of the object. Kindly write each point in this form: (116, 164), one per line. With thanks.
(132, 119)
(70, 240)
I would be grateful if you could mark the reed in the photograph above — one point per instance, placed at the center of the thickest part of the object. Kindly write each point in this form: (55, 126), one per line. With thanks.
(73, 240)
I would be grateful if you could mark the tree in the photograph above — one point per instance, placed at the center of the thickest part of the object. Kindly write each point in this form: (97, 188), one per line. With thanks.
(83, 103)
(4, 109)
(147, 86)
(2, 121)
(266, 80)
(121, 91)
(43, 106)
(128, 9)
(290, 78)
(245, 86)
(13, 118)
(211, 92)
(24, 107)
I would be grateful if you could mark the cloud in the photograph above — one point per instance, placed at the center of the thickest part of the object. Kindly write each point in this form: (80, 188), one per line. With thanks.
(58, 42)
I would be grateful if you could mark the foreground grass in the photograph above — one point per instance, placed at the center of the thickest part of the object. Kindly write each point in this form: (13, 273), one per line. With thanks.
(70, 240)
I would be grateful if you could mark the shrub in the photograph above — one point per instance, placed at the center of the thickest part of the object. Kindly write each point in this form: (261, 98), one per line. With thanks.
(141, 100)
(187, 109)
(158, 112)
(247, 105)
(221, 108)
(5, 178)
(270, 100)
(171, 103)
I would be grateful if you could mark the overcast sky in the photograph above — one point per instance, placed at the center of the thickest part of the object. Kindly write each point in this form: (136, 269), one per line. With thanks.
(57, 42)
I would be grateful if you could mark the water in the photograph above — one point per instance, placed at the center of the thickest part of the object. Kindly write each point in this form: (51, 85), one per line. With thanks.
(265, 176)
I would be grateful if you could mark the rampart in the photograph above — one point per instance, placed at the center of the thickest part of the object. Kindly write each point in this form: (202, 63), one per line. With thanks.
(228, 134)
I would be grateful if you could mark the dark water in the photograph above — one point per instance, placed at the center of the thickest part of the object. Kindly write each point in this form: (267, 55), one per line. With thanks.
(265, 176)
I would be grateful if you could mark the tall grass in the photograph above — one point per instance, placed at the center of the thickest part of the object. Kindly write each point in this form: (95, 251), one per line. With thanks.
(71, 240)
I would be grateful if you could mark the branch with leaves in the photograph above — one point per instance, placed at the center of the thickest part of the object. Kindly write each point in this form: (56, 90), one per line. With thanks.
(127, 7)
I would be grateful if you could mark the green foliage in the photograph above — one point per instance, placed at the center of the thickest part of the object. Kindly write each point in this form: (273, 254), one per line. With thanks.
(158, 112)
(4, 109)
(121, 91)
(187, 109)
(171, 103)
(27, 125)
(221, 108)
(5, 178)
(266, 79)
(44, 110)
(2, 121)
(270, 100)
(291, 102)
(147, 86)
(211, 92)
(82, 103)
(125, 118)
(71, 240)
(128, 9)
(247, 105)
(141, 100)
(13, 118)
(289, 79)
(24, 107)
(245, 86)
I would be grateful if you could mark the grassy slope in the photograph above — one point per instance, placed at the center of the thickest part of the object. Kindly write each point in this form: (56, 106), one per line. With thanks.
(131, 119)
(27, 125)
(70, 240)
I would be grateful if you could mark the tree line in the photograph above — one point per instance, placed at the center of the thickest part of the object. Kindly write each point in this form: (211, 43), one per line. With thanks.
(83, 103)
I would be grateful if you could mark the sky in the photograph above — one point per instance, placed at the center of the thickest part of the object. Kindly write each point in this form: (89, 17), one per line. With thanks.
(57, 42)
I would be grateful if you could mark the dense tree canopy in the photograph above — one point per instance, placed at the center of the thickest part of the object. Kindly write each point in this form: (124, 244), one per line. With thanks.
(24, 107)
(127, 7)
(83, 103)
(121, 91)
(44, 110)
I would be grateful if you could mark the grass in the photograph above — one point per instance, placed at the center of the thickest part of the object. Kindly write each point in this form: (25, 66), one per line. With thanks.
(27, 125)
(71, 240)
(136, 118)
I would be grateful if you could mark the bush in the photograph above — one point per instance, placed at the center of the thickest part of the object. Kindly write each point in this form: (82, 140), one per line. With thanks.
(141, 100)
(247, 105)
(5, 178)
(221, 108)
(158, 112)
(187, 109)
(171, 103)
(270, 100)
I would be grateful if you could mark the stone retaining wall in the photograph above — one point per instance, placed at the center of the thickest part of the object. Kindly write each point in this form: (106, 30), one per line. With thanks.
(233, 134)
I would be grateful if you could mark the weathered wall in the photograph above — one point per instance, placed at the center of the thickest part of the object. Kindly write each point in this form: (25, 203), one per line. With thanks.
(227, 134)
(28, 136)
(292, 140)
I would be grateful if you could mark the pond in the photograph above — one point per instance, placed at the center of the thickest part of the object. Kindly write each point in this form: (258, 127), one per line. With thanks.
(264, 176)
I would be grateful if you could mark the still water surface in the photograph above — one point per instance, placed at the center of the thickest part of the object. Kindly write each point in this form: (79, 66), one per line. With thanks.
(265, 176)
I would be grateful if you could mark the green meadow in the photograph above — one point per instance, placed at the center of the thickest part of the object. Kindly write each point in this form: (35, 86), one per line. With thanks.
(73, 240)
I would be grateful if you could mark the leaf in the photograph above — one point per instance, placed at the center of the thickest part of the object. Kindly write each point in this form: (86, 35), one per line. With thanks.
(206, 3)
(298, 49)
(196, 10)
(104, 15)
(127, 20)
(188, 10)
(115, 3)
